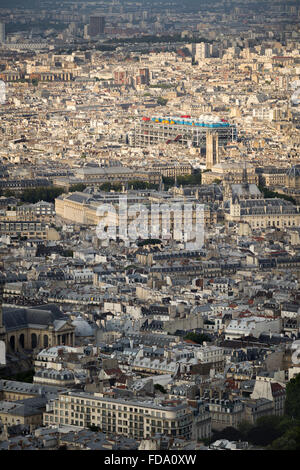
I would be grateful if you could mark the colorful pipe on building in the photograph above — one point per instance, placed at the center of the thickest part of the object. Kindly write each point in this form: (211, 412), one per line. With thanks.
(202, 121)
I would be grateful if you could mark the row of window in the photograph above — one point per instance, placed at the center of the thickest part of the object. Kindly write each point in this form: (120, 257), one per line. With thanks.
(107, 406)
(111, 426)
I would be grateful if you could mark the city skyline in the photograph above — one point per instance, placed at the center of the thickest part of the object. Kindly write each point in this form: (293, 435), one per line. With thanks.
(150, 228)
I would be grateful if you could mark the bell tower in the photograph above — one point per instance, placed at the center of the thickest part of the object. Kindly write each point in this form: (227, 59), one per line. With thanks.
(212, 149)
(2, 327)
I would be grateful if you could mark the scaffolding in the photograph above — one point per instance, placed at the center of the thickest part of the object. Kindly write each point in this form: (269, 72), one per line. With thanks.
(149, 132)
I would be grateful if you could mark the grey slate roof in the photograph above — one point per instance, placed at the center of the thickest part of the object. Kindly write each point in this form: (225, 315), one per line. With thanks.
(14, 318)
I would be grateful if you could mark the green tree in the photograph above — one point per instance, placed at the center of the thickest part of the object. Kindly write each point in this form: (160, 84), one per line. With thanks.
(244, 427)
(265, 431)
(142, 185)
(185, 180)
(193, 179)
(268, 194)
(230, 433)
(197, 337)
(162, 101)
(290, 440)
(108, 187)
(77, 187)
(292, 402)
(286, 424)
(48, 194)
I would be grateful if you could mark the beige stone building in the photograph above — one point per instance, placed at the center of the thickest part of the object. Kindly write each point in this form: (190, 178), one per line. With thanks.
(225, 413)
(30, 229)
(273, 177)
(172, 170)
(23, 403)
(132, 418)
(21, 413)
(267, 387)
(231, 172)
(114, 175)
(264, 213)
(82, 208)
(257, 408)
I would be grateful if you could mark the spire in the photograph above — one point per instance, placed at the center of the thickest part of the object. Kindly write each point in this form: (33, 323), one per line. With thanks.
(245, 174)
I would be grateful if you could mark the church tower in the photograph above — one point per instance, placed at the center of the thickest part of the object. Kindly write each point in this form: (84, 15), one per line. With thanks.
(245, 175)
(2, 328)
(212, 149)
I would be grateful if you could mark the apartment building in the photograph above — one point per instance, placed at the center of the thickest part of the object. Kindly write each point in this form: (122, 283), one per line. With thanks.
(212, 355)
(41, 210)
(257, 408)
(251, 326)
(225, 413)
(172, 170)
(266, 387)
(28, 228)
(139, 419)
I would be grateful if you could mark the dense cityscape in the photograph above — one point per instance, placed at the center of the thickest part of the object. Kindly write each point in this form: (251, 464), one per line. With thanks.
(150, 225)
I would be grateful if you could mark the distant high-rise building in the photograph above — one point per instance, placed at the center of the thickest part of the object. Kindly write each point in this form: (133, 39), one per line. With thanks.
(121, 77)
(199, 50)
(86, 31)
(144, 76)
(2, 33)
(97, 25)
(202, 51)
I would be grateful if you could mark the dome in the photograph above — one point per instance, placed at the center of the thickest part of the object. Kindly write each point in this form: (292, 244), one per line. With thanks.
(293, 172)
(82, 327)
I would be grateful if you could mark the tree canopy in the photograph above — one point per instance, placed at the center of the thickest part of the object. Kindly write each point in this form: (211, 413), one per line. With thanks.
(292, 402)
(197, 337)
